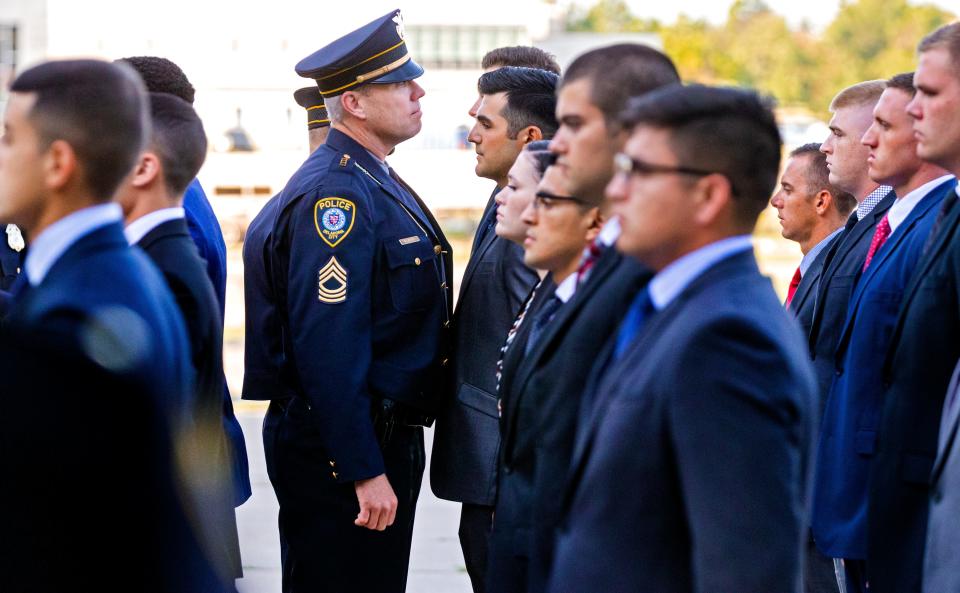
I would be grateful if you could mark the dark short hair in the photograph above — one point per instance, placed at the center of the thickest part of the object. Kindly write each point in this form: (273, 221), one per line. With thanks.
(538, 150)
(98, 108)
(817, 177)
(531, 97)
(726, 130)
(162, 76)
(903, 82)
(946, 37)
(178, 140)
(525, 56)
(618, 72)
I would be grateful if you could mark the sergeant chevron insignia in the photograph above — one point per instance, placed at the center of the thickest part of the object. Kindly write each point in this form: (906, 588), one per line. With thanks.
(332, 282)
(334, 218)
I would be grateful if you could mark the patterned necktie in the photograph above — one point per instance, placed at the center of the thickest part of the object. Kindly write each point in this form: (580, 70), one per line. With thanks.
(540, 321)
(512, 334)
(590, 256)
(794, 283)
(879, 238)
(637, 315)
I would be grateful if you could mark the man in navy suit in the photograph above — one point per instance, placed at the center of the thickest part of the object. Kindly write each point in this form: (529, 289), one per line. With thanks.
(542, 381)
(851, 420)
(689, 468)
(812, 212)
(917, 367)
(80, 276)
(152, 203)
(160, 75)
(516, 108)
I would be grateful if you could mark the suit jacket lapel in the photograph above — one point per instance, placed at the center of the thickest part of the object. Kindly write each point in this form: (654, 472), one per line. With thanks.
(475, 259)
(948, 427)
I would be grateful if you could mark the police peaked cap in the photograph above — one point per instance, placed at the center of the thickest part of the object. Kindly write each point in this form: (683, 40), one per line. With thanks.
(376, 52)
(309, 98)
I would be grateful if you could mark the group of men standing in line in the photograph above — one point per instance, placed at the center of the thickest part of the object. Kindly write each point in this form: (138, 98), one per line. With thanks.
(621, 401)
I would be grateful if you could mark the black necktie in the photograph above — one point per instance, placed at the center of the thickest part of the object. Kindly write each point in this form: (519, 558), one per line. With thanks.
(547, 312)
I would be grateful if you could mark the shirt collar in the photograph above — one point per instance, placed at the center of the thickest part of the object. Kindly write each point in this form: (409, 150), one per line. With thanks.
(51, 244)
(902, 207)
(610, 232)
(867, 205)
(811, 255)
(138, 229)
(669, 282)
(566, 289)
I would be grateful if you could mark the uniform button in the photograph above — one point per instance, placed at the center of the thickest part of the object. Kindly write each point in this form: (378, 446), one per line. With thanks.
(446, 324)
(332, 464)
(443, 286)
(445, 362)
(334, 475)
(437, 249)
(416, 261)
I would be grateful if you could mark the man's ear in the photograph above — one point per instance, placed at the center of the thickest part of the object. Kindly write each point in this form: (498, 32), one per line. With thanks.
(147, 171)
(352, 103)
(530, 134)
(60, 165)
(822, 202)
(596, 224)
(714, 195)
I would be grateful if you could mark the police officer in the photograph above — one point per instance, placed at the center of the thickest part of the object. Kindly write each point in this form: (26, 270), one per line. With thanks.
(11, 255)
(361, 269)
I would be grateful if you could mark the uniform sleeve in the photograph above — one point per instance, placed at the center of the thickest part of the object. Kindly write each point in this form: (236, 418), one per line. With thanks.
(332, 247)
(737, 420)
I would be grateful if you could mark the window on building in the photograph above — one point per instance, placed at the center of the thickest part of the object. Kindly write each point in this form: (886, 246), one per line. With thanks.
(8, 58)
(459, 47)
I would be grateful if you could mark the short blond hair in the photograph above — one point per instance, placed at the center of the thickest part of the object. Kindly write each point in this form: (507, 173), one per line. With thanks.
(862, 93)
(946, 37)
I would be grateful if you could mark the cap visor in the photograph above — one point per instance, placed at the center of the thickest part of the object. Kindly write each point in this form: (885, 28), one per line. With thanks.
(408, 71)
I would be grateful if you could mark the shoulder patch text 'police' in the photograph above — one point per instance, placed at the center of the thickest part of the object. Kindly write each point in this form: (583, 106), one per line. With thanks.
(334, 218)
(332, 282)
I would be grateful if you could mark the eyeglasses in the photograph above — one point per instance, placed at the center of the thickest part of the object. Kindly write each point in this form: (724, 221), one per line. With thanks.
(545, 199)
(624, 163)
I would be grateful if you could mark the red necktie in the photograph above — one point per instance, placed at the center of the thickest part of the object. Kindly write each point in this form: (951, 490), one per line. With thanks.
(879, 238)
(593, 253)
(794, 283)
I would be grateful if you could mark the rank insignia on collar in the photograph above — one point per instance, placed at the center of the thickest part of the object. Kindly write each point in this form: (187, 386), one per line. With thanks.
(332, 283)
(15, 238)
(334, 218)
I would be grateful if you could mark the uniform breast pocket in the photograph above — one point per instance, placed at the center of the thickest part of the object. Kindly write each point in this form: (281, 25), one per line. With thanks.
(413, 280)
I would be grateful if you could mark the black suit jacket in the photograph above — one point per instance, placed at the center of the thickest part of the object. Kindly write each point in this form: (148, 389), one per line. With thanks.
(690, 470)
(495, 283)
(917, 371)
(805, 298)
(541, 403)
(170, 247)
(840, 273)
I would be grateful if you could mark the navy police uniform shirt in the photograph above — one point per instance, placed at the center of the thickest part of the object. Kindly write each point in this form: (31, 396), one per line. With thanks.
(363, 299)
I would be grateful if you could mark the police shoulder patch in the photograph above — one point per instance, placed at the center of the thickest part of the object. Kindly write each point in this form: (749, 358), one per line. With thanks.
(332, 282)
(334, 219)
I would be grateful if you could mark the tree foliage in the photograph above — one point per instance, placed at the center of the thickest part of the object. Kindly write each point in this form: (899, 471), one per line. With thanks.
(756, 47)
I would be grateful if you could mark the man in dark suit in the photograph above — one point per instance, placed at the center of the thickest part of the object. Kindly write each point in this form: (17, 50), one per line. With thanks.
(812, 213)
(704, 394)
(80, 276)
(847, 161)
(124, 527)
(362, 273)
(919, 363)
(160, 75)
(542, 382)
(152, 203)
(851, 420)
(516, 108)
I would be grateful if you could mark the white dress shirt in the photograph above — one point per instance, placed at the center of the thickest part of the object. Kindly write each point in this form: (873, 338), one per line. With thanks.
(902, 207)
(669, 282)
(139, 228)
(51, 244)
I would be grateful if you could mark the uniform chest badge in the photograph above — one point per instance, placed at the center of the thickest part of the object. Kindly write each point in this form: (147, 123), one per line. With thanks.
(334, 219)
(15, 238)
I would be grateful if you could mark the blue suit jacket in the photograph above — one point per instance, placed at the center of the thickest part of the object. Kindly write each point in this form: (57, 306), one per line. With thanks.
(689, 468)
(918, 366)
(362, 300)
(205, 231)
(112, 302)
(851, 421)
